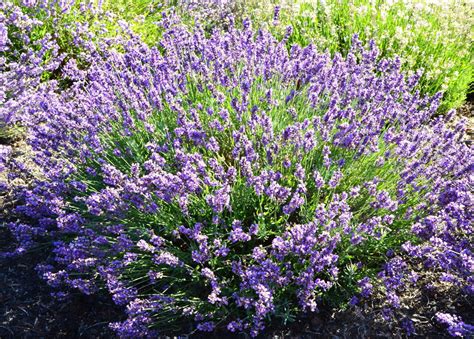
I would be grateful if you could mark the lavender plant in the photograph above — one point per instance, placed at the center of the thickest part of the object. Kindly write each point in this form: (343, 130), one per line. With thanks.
(224, 181)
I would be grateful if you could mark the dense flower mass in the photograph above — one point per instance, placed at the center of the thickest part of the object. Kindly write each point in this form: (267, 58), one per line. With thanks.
(456, 327)
(32, 54)
(223, 181)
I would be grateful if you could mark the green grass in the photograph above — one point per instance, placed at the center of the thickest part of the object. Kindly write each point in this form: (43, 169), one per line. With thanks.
(142, 15)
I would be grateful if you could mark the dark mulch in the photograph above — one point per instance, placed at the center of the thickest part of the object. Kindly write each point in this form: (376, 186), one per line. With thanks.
(28, 311)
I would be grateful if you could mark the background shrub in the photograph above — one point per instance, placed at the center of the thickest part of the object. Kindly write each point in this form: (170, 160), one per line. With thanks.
(435, 36)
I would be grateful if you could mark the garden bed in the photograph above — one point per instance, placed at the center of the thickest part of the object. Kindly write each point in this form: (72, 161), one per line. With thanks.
(246, 170)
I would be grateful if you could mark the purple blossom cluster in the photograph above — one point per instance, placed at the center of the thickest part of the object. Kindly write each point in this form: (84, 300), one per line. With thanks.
(226, 180)
(456, 327)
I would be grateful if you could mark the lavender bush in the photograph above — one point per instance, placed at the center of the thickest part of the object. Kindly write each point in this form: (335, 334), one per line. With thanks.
(224, 181)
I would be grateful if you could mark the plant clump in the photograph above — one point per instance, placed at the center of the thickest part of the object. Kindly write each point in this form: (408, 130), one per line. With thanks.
(224, 181)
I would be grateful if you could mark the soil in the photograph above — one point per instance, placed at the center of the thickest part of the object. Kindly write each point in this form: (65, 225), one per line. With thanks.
(27, 310)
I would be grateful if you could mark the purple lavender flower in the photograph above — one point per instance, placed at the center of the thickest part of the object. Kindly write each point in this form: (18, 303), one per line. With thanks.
(206, 326)
(166, 258)
(237, 234)
(318, 179)
(456, 327)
